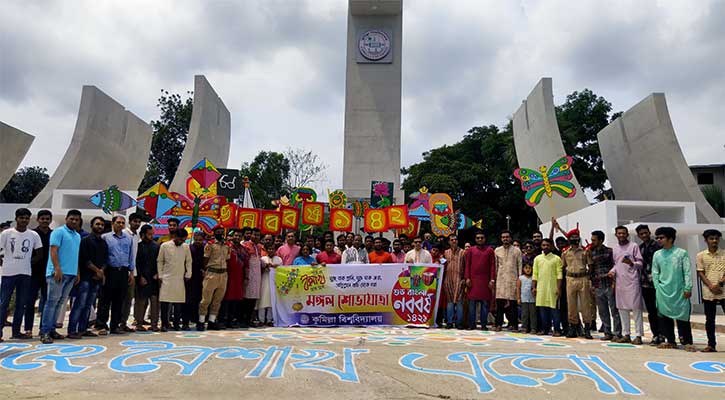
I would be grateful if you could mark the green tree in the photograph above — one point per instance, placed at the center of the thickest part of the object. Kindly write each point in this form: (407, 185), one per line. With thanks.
(715, 196)
(477, 172)
(25, 185)
(169, 138)
(267, 174)
(580, 118)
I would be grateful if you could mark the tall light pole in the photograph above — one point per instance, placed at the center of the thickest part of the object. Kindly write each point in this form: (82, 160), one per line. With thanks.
(508, 222)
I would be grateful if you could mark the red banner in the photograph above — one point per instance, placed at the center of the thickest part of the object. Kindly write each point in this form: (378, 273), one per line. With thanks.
(271, 222)
(376, 220)
(248, 217)
(313, 213)
(341, 220)
(397, 216)
(290, 217)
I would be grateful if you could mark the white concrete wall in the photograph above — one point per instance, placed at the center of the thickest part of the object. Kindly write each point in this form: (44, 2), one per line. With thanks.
(14, 144)
(372, 103)
(209, 133)
(110, 146)
(644, 161)
(538, 142)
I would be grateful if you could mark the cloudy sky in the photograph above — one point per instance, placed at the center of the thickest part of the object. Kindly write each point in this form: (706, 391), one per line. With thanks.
(279, 66)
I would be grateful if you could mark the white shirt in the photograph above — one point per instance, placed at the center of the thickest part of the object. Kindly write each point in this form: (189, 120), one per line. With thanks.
(422, 256)
(17, 248)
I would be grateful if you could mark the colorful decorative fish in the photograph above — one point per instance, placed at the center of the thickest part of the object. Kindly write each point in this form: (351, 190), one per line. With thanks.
(547, 181)
(463, 222)
(112, 199)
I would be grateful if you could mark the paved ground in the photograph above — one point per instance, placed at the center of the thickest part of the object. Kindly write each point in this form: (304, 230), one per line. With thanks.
(354, 363)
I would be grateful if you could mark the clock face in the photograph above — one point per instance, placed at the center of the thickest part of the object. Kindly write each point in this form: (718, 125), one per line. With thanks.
(374, 45)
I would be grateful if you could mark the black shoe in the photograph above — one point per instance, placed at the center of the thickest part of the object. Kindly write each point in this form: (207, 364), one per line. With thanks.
(200, 326)
(587, 334)
(74, 336)
(571, 332)
(46, 339)
(117, 331)
(89, 334)
(607, 336)
(56, 336)
(220, 326)
(176, 328)
(212, 326)
(163, 328)
(185, 327)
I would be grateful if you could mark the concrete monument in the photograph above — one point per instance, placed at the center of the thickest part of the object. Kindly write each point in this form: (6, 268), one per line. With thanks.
(209, 133)
(110, 146)
(538, 142)
(14, 144)
(644, 161)
(372, 96)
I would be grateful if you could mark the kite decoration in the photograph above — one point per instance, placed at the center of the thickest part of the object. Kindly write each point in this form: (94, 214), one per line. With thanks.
(193, 211)
(205, 173)
(337, 199)
(112, 199)
(194, 189)
(157, 201)
(419, 207)
(547, 181)
(442, 220)
(463, 222)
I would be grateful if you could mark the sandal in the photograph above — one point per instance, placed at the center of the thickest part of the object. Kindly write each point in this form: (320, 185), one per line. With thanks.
(690, 348)
(102, 332)
(709, 349)
(667, 346)
(140, 328)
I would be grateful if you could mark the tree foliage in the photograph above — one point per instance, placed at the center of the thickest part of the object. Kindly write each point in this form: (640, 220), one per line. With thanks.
(580, 118)
(715, 196)
(477, 172)
(305, 168)
(169, 138)
(25, 185)
(267, 174)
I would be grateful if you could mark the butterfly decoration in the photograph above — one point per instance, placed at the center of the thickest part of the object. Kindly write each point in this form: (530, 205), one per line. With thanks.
(190, 211)
(547, 181)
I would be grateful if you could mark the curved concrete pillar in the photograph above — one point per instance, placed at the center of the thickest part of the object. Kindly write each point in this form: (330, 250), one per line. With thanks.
(538, 142)
(644, 161)
(109, 147)
(14, 144)
(209, 133)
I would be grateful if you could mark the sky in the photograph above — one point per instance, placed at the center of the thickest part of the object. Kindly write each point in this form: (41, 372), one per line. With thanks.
(279, 66)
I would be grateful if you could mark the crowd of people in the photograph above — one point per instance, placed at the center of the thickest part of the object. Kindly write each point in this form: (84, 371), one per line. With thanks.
(173, 282)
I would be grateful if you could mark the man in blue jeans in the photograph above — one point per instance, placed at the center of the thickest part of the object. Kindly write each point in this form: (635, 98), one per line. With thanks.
(19, 245)
(38, 286)
(61, 273)
(93, 258)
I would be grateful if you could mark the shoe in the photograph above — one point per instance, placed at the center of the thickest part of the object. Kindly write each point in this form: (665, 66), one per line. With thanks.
(140, 328)
(271, 324)
(212, 326)
(607, 336)
(571, 333)
(637, 341)
(497, 329)
(22, 336)
(145, 323)
(117, 331)
(154, 328)
(657, 340)
(615, 339)
(89, 334)
(588, 334)
(56, 336)
(690, 348)
(127, 329)
(185, 327)
(102, 331)
(624, 339)
(666, 345)
(556, 334)
(46, 339)
(709, 349)
(74, 336)
(164, 329)
(200, 326)
(220, 326)
(176, 328)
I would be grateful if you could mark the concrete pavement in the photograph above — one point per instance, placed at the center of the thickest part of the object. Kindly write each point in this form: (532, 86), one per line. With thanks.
(354, 363)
